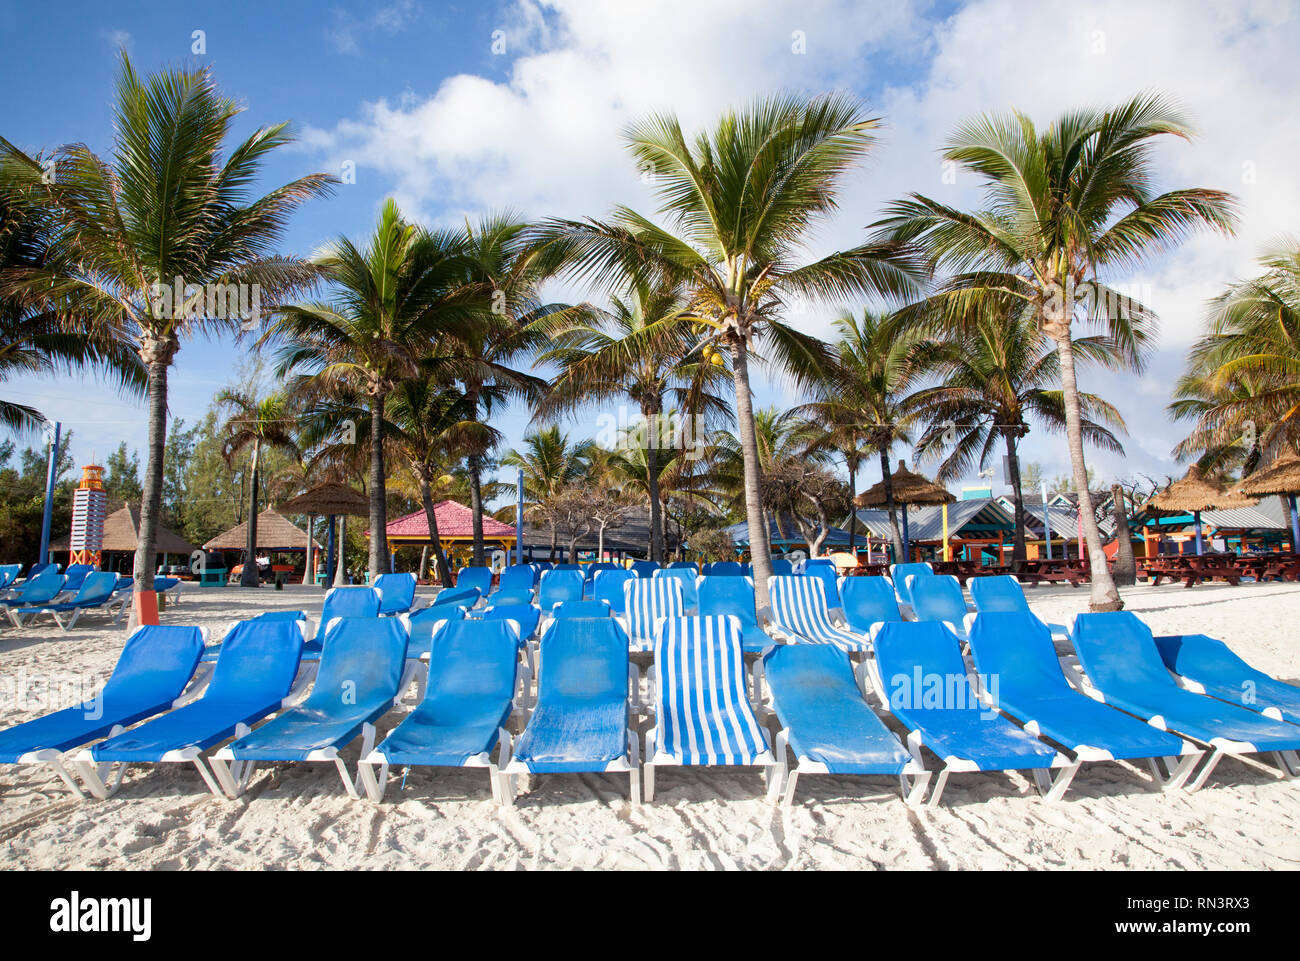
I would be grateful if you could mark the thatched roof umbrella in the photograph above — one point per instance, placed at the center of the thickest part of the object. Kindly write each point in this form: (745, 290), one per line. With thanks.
(330, 499)
(1194, 494)
(908, 487)
(1280, 477)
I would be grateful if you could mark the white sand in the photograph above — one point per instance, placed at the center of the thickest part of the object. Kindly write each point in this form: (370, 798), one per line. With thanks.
(297, 816)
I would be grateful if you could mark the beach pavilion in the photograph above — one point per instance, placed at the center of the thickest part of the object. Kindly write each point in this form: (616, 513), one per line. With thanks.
(121, 534)
(276, 534)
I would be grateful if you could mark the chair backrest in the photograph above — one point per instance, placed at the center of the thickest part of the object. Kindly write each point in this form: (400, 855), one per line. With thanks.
(76, 575)
(997, 593)
(96, 588)
(867, 601)
(456, 597)
(280, 616)
(480, 577)
(608, 587)
(684, 566)
(1119, 654)
(525, 615)
(685, 577)
(559, 585)
(644, 568)
(584, 659)
(799, 605)
(361, 663)
(824, 571)
(9, 573)
(156, 663)
(908, 651)
(396, 592)
(647, 600)
(349, 602)
(518, 577)
(567, 567)
(815, 677)
(474, 660)
(700, 698)
(899, 573)
(1194, 655)
(572, 609)
(1016, 648)
(782, 567)
(591, 570)
(37, 569)
(424, 623)
(725, 569)
(938, 598)
(41, 588)
(258, 662)
(727, 595)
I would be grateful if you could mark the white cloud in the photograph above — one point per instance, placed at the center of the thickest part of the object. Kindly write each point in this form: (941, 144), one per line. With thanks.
(347, 31)
(119, 40)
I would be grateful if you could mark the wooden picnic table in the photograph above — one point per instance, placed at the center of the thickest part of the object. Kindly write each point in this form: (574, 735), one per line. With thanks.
(1053, 571)
(1192, 569)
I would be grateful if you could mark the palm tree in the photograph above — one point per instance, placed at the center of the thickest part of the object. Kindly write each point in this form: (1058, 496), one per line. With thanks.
(1063, 205)
(403, 293)
(997, 374)
(167, 210)
(742, 199)
(641, 348)
(550, 464)
(263, 422)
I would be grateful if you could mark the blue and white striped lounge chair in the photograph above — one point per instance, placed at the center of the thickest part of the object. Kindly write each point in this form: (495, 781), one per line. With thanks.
(921, 679)
(868, 601)
(938, 597)
(1002, 593)
(1208, 666)
(899, 573)
(828, 725)
(465, 597)
(725, 569)
(473, 672)
(644, 568)
(571, 609)
(608, 587)
(1016, 649)
(702, 710)
(557, 586)
(95, 594)
(647, 601)
(687, 579)
(259, 660)
(150, 676)
(480, 577)
(799, 612)
(349, 602)
(396, 593)
(1124, 669)
(824, 570)
(580, 722)
(361, 666)
(734, 597)
(34, 593)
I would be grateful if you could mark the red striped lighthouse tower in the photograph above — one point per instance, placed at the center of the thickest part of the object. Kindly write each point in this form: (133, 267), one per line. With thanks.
(89, 507)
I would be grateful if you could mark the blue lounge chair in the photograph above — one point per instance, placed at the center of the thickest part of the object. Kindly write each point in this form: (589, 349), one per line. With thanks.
(899, 573)
(361, 667)
(34, 593)
(465, 597)
(921, 678)
(512, 597)
(426, 622)
(9, 575)
(734, 597)
(76, 575)
(396, 593)
(938, 597)
(824, 570)
(1209, 666)
(646, 602)
(580, 722)
(868, 601)
(702, 711)
(556, 586)
(517, 578)
(684, 566)
(480, 577)
(590, 572)
(150, 676)
(1125, 669)
(799, 612)
(473, 672)
(1002, 593)
(644, 568)
(95, 594)
(258, 663)
(571, 609)
(828, 725)
(1016, 649)
(782, 567)
(349, 602)
(213, 651)
(608, 587)
(525, 615)
(687, 579)
(725, 569)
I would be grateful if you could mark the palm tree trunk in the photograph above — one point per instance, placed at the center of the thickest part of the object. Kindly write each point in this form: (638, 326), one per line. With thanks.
(1125, 572)
(426, 500)
(853, 510)
(760, 551)
(158, 356)
(652, 481)
(378, 499)
(1018, 552)
(1104, 597)
(250, 576)
(475, 462)
(895, 535)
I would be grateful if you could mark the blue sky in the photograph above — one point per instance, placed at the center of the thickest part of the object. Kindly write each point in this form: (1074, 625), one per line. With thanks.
(455, 108)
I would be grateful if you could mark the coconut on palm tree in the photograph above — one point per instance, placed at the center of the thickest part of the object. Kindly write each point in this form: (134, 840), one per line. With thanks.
(261, 423)
(1063, 207)
(393, 301)
(740, 202)
(155, 242)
